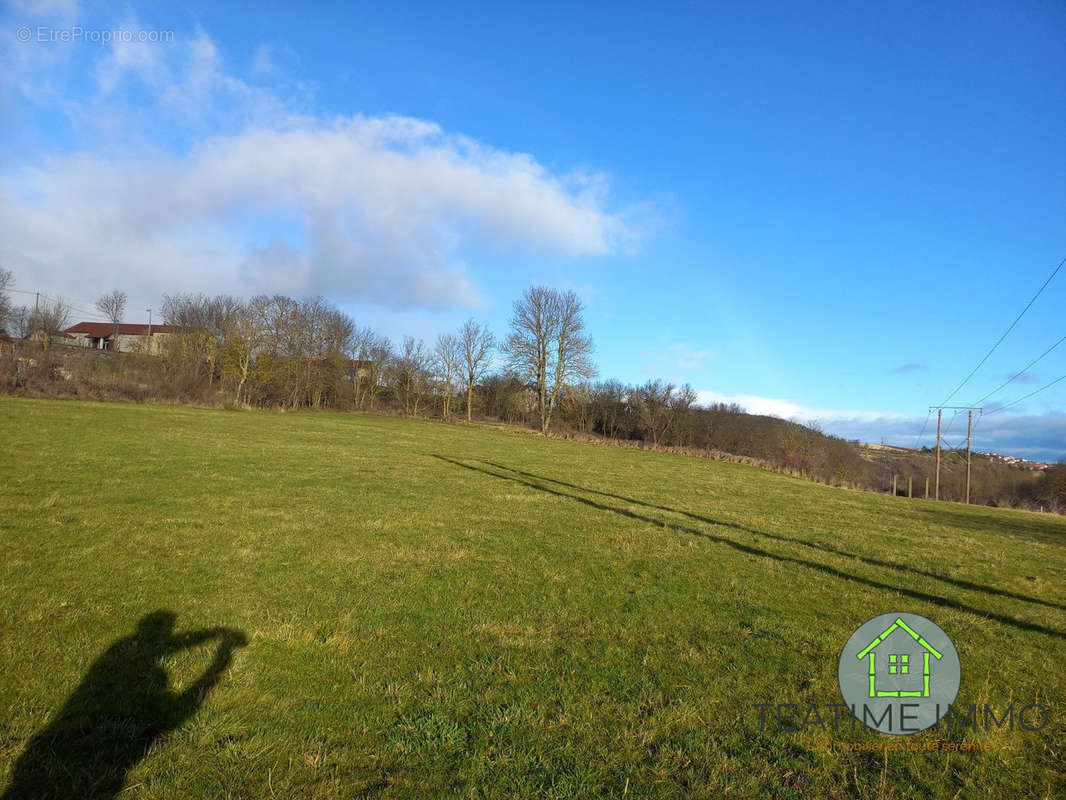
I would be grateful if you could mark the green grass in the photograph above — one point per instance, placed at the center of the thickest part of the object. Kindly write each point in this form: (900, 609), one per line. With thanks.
(442, 610)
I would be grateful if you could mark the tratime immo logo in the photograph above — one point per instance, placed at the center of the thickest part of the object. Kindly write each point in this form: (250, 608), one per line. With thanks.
(899, 673)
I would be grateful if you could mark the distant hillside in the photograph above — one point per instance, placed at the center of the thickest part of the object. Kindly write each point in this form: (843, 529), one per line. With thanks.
(994, 479)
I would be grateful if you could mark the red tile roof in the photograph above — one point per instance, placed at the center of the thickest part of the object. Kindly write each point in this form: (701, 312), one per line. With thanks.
(102, 330)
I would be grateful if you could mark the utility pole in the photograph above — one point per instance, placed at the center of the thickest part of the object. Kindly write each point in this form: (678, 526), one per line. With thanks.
(969, 433)
(939, 417)
(149, 322)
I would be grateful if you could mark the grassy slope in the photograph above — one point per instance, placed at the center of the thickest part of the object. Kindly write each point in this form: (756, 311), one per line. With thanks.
(437, 609)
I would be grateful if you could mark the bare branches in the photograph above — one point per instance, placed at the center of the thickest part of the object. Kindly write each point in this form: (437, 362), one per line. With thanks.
(372, 352)
(548, 345)
(477, 343)
(113, 305)
(409, 374)
(660, 408)
(48, 321)
(448, 359)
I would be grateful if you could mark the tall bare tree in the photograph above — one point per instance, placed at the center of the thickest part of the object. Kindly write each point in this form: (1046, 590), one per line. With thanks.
(113, 305)
(48, 321)
(447, 356)
(573, 348)
(548, 345)
(476, 343)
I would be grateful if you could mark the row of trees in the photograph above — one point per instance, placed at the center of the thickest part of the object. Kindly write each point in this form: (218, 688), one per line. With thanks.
(274, 350)
(277, 351)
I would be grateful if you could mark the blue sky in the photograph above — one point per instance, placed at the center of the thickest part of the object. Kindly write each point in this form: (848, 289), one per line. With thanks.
(829, 213)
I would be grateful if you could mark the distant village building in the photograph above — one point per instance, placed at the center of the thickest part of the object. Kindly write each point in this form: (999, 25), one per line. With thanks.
(131, 338)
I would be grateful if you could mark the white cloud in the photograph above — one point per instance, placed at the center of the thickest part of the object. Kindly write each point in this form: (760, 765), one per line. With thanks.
(257, 197)
(789, 409)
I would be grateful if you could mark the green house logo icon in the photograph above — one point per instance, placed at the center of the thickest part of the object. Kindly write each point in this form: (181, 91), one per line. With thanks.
(899, 673)
(899, 664)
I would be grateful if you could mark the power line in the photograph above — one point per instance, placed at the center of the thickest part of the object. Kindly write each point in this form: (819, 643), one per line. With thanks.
(951, 422)
(925, 424)
(1026, 397)
(72, 307)
(45, 296)
(1005, 333)
(1021, 371)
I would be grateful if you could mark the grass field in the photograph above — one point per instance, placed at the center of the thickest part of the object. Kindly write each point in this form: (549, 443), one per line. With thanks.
(406, 608)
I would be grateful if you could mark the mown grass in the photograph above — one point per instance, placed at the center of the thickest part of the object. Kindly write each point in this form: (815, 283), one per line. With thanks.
(442, 610)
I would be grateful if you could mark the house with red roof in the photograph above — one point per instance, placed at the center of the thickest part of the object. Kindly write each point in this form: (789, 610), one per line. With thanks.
(124, 337)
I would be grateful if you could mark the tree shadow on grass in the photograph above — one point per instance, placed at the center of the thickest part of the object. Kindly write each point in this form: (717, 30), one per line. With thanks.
(757, 551)
(958, 582)
(121, 707)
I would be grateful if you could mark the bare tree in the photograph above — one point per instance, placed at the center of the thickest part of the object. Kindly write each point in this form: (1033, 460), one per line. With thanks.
(373, 352)
(529, 343)
(447, 355)
(113, 305)
(409, 373)
(548, 345)
(19, 322)
(573, 348)
(243, 339)
(7, 278)
(476, 343)
(48, 321)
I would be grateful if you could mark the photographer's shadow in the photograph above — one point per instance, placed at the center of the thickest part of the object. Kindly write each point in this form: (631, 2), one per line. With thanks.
(121, 707)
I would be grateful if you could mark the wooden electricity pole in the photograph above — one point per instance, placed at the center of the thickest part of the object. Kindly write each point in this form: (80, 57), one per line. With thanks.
(939, 417)
(969, 433)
